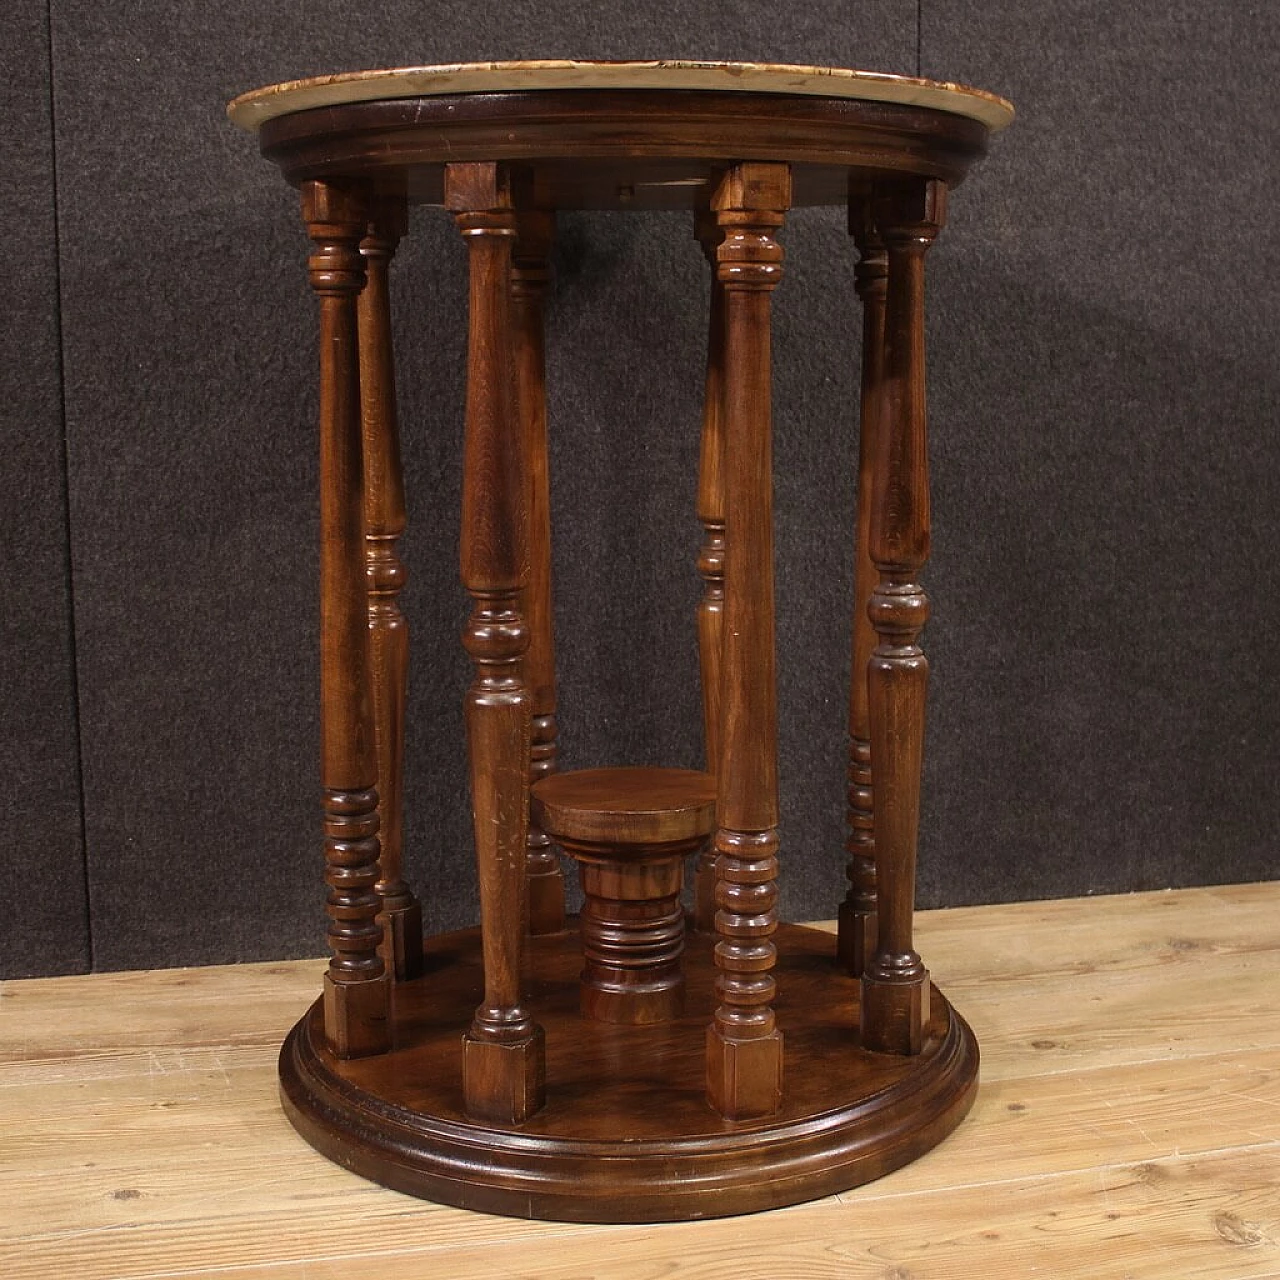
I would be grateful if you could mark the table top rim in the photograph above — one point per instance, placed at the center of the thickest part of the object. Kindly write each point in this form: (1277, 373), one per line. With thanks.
(253, 109)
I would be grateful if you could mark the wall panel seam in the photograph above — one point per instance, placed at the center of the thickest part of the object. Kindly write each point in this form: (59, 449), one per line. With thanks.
(64, 460)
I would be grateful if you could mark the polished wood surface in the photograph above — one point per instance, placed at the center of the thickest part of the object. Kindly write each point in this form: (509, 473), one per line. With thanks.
(503, 1074)
(530, 276)
(622, 148)
(633, 805)
(251, 110)
(1128, 1124)
(744, 1044)
(633, 931)
(384, 523)
(355, 986)
(711, 506)
(630, 830)
(606, 1147)
(858, 924)
(514, 1010)
(895, 984)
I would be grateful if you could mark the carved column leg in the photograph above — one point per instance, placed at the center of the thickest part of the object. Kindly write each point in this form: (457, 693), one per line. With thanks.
(895, 985)
(857, 936)
(530, 275)
(401, 915)
(711, 559)
(744, 1045)
(356, 985)
(504, 1075)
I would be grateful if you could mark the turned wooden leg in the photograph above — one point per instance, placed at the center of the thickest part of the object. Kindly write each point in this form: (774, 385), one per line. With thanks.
(744, 1045)
(384, 520)
(856, 940)
(356, 985)
(504, 1077)
(711, 558)
(531, 272)
(895, 985)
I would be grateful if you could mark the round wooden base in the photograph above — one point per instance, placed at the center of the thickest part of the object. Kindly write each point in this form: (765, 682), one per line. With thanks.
(626, 1134)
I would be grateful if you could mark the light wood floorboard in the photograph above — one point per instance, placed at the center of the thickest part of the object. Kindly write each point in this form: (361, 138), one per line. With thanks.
(1127, 1126)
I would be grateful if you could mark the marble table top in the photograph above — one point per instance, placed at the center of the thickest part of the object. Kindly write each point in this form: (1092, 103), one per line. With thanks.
(251, 110)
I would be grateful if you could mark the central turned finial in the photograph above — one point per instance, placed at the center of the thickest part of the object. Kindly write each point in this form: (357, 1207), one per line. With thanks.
(630, 830)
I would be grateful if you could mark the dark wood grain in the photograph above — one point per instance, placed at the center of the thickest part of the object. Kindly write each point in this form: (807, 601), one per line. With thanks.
(630, 830)
(633, 933)
(626, 1135)
(384, 518)
(644, 149)
(895, 1001)
(711, 504)
(530, 276)
(744, 1045)
(630, 805)
(857, 917)
(503, 1071)
(658, 1093)
(356, 985)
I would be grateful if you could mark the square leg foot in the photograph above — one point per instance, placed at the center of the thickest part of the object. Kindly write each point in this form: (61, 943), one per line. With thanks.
(505, 1083)
(401, 948)
(856, 942)
(894, 1015)
(744, 1077)
(357, 1021)
(546, 903)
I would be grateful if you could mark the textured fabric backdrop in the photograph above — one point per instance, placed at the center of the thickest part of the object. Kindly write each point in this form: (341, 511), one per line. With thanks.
(1103, 399)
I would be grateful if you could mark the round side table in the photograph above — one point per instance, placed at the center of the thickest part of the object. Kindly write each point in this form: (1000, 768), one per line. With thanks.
(639, 1066)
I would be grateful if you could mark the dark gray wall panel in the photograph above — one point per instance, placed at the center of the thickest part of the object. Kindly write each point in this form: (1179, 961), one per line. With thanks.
(190, 357)
(1104, 401)
(46, 931)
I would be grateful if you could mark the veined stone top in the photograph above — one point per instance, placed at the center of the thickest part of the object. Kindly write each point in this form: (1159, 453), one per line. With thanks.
(251, 110)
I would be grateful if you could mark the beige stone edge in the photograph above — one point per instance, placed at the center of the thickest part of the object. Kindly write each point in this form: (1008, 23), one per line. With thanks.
(251, 110)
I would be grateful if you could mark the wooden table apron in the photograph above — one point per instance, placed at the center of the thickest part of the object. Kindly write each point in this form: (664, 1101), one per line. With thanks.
(477, 1070)
(620, 148)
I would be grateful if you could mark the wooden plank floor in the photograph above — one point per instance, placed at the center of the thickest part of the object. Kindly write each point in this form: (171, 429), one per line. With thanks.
(1127, 1126)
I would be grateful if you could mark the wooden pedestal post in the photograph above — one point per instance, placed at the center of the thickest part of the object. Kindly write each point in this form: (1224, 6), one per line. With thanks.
(504, 1077)
(530, 275)
(744, 1045)
(857, 934)
(384, 517)
(895, 985)
(711, 557)
(356, 984)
